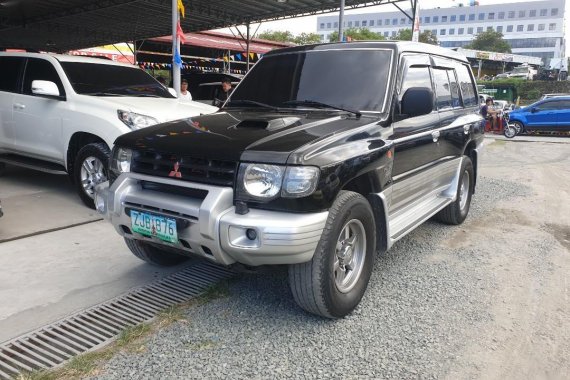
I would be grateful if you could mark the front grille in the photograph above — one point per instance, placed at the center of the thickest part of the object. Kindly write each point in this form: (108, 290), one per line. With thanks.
(185, 168)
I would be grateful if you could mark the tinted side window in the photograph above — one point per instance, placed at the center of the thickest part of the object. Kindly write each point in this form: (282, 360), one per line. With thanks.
(549, 105)
(10, 73)
(415, 76)
(40, 69)
(467, 88)
(442, 89)
(453, 87)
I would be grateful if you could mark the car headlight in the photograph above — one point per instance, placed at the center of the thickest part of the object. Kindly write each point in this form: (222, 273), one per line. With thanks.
(265, 181)
(121, 161)
(134, 120)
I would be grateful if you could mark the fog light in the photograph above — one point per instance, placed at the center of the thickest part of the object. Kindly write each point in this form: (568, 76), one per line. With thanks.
(251, 234)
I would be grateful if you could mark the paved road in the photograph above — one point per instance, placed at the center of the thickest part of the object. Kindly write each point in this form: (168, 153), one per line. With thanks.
(48, 275)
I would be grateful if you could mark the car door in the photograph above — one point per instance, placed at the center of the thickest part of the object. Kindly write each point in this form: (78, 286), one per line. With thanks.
(38, 119)
(10, 79)
(542, 116)
(416, 153)
(563, 115)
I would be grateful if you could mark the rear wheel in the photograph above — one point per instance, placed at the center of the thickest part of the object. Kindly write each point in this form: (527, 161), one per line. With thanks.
(456, 212)
(90, 169)
(334, 281)
(153, 254)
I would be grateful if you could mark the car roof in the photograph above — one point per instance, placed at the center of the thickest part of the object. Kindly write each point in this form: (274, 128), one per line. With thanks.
(399, 46)
(66, 58)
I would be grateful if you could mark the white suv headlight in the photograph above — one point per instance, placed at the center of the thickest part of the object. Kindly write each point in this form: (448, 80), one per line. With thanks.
(121, 160)
(134, 120)
(265, 181)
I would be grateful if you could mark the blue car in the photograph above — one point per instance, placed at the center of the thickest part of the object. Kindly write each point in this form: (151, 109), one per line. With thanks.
(548, 115)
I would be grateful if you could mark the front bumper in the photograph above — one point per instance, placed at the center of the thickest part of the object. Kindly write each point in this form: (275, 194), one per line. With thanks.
(207, 225)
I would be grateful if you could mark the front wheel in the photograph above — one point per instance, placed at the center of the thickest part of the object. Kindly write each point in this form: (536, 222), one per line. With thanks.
(518, 127)
(456, 212)
(510, 131)
(335, 280)
(90, 169)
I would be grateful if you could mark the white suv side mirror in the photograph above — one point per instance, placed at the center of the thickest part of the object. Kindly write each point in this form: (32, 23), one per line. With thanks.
(44, 87)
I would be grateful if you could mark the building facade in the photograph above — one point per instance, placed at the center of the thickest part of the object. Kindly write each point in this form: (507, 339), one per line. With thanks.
(533, 28)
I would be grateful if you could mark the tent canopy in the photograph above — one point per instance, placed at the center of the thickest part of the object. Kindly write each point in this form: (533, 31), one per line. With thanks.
(61, 25)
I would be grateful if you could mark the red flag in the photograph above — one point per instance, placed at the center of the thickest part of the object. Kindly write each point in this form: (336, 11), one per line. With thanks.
(180, 33)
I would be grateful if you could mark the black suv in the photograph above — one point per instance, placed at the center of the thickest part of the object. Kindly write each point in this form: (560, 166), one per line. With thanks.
(322, 156)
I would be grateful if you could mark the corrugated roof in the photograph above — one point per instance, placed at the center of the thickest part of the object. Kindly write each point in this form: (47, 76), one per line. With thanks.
(61, 25)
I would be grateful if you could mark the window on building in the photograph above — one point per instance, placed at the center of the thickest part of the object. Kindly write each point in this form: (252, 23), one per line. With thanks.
(364, 23)
(443, 18)
(481, 16)
(460, 31)
(394, 21)
(322, 37)
(472, 17)
(520, 28)
(434, 32)
(435, 18)
(322, 26)
(532, 13)
(427, 19)
(552, 26)
(543, 12)
(357, 24)
(402, 21)
(540, 27)
(371, 22)
(501, 15)
(554, 11)
(451, 31)
(336, 24)
(511, 14)
(393, 33)
(386, 34)
(469, 30)
(328, 25)
(379, 23)
(479, 29)
(461, 17)
(509, 28)
(530, 27)
(442, 32)
(489, 29)
(491, 16)
(350, 24)
(453, 18)
(500, 29)
(387, 21)
(522, 14)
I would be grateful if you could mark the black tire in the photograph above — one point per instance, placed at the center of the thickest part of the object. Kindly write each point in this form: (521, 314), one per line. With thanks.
(314, 284)
(99, 151)
(518, 127)
(154, 255)
(509, 131)
(456, 212)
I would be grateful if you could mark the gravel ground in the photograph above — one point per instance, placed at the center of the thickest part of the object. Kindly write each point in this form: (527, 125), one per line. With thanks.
(466, 301)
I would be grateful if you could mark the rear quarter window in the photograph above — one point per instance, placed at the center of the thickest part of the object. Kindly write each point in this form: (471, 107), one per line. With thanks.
(10, 73)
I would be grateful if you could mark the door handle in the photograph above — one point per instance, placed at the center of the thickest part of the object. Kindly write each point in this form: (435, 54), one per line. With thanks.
(435, 136)
(19, 106)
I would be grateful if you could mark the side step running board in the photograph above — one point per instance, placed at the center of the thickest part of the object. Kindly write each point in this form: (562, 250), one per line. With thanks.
(32, 163)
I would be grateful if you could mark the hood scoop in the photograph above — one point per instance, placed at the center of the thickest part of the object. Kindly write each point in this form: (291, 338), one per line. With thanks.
(269, 125)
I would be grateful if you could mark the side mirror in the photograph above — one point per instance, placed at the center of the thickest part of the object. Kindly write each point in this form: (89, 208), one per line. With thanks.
(417, 101)
(534, 109)
(45, 88)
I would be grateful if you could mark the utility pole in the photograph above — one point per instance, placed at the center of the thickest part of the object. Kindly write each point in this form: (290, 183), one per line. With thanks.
(341, 22)
(175, 47)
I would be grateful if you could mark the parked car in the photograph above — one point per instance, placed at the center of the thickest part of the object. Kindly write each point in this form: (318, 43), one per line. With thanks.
(61, 113)
(548, 115)
(306, 167)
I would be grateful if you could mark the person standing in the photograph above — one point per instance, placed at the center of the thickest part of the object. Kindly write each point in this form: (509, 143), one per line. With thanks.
(184, 93)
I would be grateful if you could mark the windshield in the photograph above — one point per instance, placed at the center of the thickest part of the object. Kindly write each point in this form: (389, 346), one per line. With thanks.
(112, 80)
(350, 79)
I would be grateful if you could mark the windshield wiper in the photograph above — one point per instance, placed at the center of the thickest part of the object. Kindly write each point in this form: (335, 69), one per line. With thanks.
(254, 103)
(317, 104)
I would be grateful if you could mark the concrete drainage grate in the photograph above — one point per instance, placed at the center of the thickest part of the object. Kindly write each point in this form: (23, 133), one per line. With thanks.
(88, 330)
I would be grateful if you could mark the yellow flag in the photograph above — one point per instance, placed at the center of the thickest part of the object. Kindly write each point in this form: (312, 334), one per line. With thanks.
(251, 55)
(181, 8)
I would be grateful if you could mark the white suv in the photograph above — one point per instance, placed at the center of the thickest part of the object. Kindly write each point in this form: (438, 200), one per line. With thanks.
(62, 114)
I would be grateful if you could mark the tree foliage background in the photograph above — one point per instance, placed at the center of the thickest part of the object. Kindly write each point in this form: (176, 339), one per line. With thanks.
(358, 34)
(286, 36)
(426, 36)
(490, 41)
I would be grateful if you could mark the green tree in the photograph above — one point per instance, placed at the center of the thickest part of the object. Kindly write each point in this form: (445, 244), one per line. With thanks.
(490, 41)
(277, 35)
(358, 34)
(307, 38)
(426, 36)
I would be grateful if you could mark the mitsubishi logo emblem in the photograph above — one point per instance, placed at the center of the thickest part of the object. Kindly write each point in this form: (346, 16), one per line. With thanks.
(175, 173)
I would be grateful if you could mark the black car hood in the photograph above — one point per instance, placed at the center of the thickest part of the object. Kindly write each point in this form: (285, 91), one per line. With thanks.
(228, 135)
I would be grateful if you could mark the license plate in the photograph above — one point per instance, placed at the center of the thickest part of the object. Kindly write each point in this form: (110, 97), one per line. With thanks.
(153, 225)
